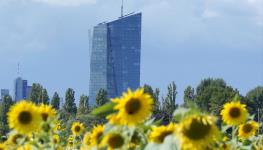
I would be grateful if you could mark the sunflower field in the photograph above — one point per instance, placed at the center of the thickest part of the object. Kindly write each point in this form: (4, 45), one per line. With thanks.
(130, 126)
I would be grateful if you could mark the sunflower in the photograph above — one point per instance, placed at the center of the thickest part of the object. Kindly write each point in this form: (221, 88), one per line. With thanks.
(234, 113)
(70, 141)
(96, 135)
(24, 117)
(86, 139)
(158, 134)
(114, 119)
(14, 138)
(113, 141)
(225, 146)
(248, 129)
(24, 147)
(2, 146)
(198, 132)
(47, 112)
(56, 139)
(133, 107)
(77, 128)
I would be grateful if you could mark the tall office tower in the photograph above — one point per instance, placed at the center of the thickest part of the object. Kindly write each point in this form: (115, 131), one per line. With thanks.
(115, 56)
(20, 89)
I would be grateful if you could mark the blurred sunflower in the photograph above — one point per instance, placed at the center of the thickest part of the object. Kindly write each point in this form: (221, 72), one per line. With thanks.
(198, 132)
(114, 119)
(77, 128)
(133, 107)
(248, 129)
(113, 141)
(2, 146)
(14, 138)
(47, 112)
(234, 113)
(24, 117)
(225, 146)
(56, 139)
(96, 135)
(86, 140)
(70, 141)
(158, 134)
(24, 147)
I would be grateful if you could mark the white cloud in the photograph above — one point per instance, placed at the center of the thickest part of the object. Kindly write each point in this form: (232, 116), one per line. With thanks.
(66, 2)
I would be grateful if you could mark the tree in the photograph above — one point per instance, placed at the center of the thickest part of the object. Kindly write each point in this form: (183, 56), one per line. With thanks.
(70, 107)
(83, 104)
(55, 102)
(44, 98)
(212, 94)
(7, 102)
(254, 101)
(36, 93)
(189, 95)
(5, 105)
(155, 96)
(168, 103)
(101, 97)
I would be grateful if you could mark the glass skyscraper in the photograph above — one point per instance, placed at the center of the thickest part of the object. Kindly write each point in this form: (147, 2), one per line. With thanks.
(22, 91)
(115, 56)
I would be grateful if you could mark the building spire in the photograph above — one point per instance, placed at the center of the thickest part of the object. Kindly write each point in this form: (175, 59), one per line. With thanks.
(122, 8)
(18, 69)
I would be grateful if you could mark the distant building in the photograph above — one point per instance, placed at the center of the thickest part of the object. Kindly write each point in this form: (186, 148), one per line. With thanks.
(28, 91)
(115, 56)
(4, 92)
(22, 91)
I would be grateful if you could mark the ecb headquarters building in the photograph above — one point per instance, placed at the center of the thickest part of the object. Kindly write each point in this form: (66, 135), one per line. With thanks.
(115, 56)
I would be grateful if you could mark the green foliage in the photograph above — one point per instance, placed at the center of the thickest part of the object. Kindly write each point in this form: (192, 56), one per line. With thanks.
(44, 98)
(101, 97)
(155, 96)
(70, 107)
(5, 105)
(83, 104)
(189, 95)
(55, 102)
(211, 94)
(103, 110)
(254, 101)
(169, 103)
(36, 93)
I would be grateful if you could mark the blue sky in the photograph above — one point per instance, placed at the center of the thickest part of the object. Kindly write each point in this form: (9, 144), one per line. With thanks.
(182, 41)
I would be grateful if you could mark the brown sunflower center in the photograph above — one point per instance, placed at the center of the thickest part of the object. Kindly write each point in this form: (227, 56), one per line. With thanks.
(44, 116)
(247, 128)
(25, 117)
(197, 130)
(77, 129)
(234, 112)
(163, 135)
(99, 135)
(16, 137)
(132, 106)
(135, 138)
(115, 141)
(55, 140)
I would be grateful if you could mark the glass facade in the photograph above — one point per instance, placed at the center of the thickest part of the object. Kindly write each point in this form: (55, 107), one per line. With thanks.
(115, 56)
(21, 89)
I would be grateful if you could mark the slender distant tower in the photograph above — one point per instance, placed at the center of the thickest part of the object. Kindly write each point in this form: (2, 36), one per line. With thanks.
(115, 56)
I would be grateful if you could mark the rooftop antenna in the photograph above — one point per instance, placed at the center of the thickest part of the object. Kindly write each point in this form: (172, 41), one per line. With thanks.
(18, 69)
(122, 8)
